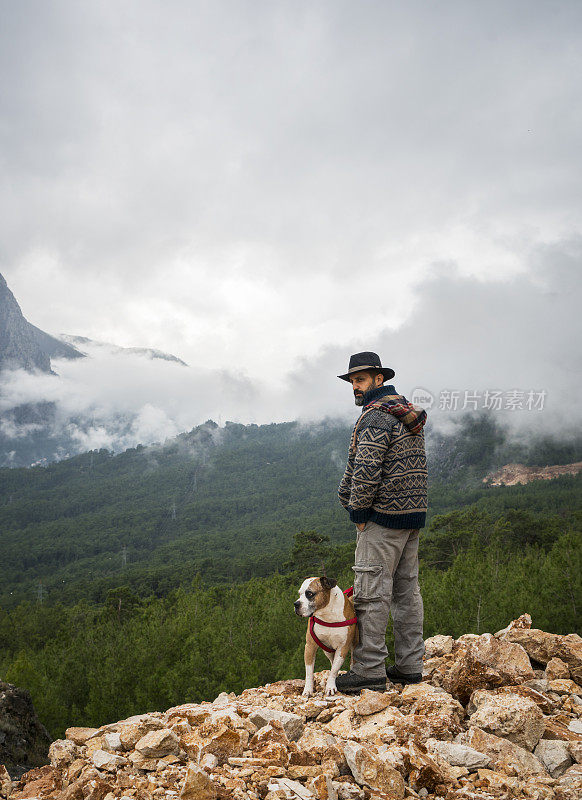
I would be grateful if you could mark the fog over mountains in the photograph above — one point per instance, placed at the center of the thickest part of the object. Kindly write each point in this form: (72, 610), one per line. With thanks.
(33, 427)
(505, 348)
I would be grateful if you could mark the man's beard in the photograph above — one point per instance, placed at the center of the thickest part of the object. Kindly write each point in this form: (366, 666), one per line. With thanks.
(359, 399)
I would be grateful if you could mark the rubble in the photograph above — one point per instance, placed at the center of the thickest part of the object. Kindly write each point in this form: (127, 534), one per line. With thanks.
(483, 725)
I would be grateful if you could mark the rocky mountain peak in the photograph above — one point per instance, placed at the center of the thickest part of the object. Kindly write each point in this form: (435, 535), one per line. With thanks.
(23, 345)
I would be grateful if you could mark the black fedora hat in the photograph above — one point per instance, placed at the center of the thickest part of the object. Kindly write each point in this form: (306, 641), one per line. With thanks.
(367, 360)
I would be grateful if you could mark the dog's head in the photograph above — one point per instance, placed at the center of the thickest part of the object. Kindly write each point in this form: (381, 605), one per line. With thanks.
(313, 595)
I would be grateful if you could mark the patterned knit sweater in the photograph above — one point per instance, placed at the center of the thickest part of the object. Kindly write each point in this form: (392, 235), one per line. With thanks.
(385, 480)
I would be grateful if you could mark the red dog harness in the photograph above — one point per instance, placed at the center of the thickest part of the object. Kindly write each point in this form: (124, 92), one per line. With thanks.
(312, 620)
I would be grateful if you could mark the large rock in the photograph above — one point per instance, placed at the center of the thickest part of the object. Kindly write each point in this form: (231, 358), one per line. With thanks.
(158, 743)
(508, 715)
(344, 725)
(197, 785)
(556, 669)
(571, 782)
(80, 735)
(370, 770)
(315, 747)
(484, 662)
(377, 725)
(422, 698)
(370, 702)
(225, 742)
(427, 772)
(292, 723)
(38, 783)
(437, 646)
(458, 755)
(505, 756)
(420, 727)
(108, 761)
(288, 788)
(25, 741)
(322, 787)
(554, 755)
(542, 647)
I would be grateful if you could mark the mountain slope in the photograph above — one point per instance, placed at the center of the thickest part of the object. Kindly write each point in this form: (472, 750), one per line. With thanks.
(225, 502)
(23, 345)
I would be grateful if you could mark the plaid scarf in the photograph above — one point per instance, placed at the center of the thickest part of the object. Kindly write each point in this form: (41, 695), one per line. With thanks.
(396, 404)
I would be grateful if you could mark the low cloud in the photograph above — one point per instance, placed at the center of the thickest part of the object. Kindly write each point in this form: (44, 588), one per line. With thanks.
(464, 334)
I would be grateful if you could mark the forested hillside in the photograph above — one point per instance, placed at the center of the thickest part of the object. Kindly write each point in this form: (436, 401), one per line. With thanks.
(222, 502)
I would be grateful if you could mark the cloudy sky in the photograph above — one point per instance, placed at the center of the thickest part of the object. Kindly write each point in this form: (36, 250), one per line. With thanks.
(262, 188)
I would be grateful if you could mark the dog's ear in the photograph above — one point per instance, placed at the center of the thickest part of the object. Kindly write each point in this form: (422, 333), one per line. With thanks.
(327, 583)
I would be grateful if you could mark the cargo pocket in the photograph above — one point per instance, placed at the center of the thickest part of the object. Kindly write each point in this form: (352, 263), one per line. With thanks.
(367, 581)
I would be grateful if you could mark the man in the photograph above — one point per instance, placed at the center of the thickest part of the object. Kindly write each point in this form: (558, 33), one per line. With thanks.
(384, 490)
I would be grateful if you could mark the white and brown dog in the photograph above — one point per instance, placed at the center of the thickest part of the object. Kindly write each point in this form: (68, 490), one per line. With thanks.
(334, 629)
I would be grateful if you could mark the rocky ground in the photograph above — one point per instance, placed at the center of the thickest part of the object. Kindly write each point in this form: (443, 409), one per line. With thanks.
(512, 474)
(497, 716)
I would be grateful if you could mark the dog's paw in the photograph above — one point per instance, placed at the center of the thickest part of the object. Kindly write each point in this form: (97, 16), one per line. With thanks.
(308, 691)
(330, 690)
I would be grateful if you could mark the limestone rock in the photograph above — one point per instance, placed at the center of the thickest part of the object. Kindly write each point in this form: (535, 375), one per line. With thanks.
(39, 782)
(395, 756)
(197, 785)
(557, 669)
(193, 713)
(544, 703)
(108, 761)
(437, 646)
(420, 727)
(564, 686)
(572, 780)
(376, 725)
(63, 752)
(143, 762)
(113, 741)
(158, 743)
(369, 770)
(422, 698)
(556, 729)
(485, 662)
(323, 788)
(292, 723)
(575, 750)
(93, 744)
(513, 717)
(523, 622)
(370, 702)
(505, 756)
(342, 725)
(542, 647)
(270, 743)
(316, 746)
(80, 735)
(459, 755)
(285, 787)
(554, 755)
(425, 772)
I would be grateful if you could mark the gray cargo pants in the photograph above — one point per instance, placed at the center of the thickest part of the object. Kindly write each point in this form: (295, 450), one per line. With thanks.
(385, 580)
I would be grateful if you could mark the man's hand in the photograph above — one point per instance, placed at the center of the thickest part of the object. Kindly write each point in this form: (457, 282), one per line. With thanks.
(360, 525)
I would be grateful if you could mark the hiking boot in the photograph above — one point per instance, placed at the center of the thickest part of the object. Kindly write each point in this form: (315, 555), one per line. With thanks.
(396, 676)
(352, 683)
